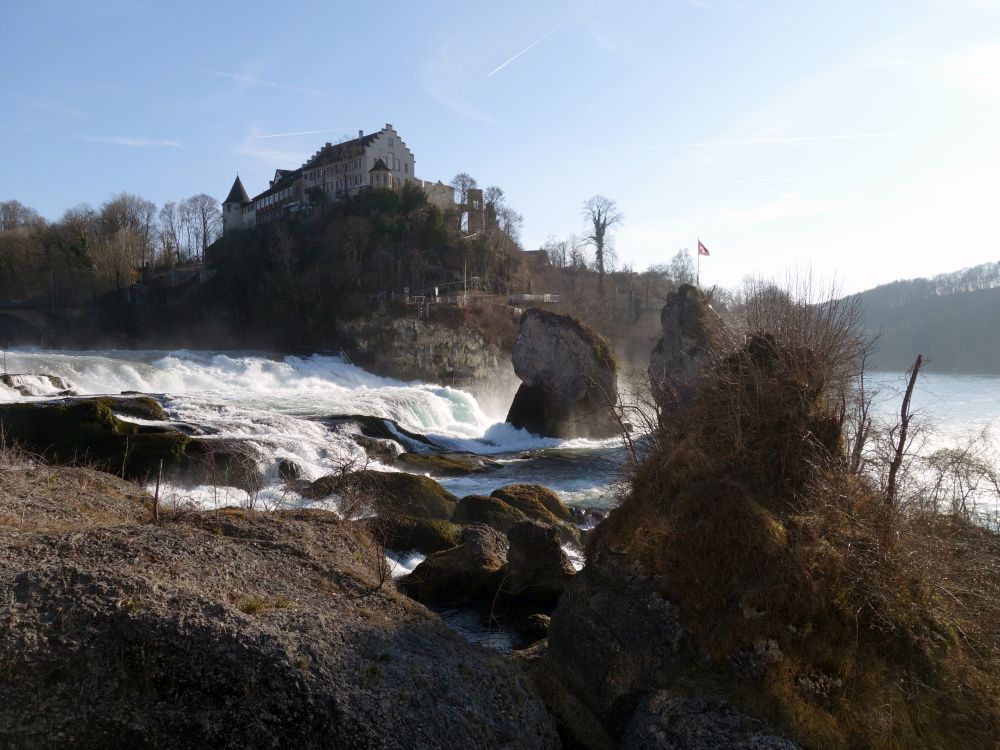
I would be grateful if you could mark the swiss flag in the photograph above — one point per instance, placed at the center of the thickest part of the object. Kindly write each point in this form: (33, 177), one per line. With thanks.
(702, 250)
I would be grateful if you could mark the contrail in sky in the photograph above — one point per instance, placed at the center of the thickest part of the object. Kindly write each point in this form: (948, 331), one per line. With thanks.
(530, 47)
(258, 81)
(300, 132)
(764, 141)
(121, 140)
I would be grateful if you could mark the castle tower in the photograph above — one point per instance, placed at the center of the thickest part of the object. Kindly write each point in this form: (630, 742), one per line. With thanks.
(232, 207)
(380, 176)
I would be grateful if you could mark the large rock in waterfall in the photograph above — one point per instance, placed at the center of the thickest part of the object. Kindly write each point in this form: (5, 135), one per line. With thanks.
(569, 378)
(691, 329)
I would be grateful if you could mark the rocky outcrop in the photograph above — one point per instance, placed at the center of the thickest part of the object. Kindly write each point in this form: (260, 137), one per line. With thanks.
(101, 432)
(36, 384)
(691, 330)
(487, 510)
(569, 378)
(467, 573)
(539, 503)
(538, 570)
(386, 493)
(446, 464)
(402, 533)
(233, 629)
(435, 352)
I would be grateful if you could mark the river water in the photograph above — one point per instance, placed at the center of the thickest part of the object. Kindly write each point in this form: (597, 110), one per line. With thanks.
(277, 405)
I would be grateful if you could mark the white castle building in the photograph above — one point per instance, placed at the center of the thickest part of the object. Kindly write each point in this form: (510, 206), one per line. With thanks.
(377, 160)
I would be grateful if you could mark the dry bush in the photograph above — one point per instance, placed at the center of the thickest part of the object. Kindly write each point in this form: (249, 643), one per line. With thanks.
(756, 519)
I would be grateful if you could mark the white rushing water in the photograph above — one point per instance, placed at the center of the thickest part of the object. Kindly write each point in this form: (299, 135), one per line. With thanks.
(273, 404)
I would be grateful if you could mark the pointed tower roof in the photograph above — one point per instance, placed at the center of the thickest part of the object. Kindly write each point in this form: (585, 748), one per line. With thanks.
(237, 194)
(380, 165)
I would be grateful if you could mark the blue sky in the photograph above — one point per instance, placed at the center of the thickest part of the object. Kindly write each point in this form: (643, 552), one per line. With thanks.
(858, 140)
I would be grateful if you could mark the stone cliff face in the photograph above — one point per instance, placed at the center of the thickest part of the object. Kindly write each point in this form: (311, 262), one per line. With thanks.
(411, 349)
(569, 378)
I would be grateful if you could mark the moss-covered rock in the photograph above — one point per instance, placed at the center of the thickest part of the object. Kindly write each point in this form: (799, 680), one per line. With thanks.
(539, 503)
(88, 432)
(379, 428)
(491, 511)
(383, 451)
(446, 464)
(388, 493)
(534, 499)
(404, 533)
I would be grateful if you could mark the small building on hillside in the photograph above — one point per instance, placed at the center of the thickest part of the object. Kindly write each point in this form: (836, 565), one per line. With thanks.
(377, 160)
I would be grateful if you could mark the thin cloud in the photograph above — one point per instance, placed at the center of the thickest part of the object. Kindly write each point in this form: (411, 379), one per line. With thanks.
(250, 146)
(527, 49)
(299, 132)
(134, 142)
(260, 81)
(62, 111)
(785, 206)
(443, 77)
(769, 141)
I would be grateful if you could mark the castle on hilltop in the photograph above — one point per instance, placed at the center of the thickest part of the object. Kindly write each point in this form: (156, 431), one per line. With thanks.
(376, 160)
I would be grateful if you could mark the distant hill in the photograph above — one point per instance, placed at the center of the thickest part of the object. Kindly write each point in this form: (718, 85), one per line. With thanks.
(953, 319)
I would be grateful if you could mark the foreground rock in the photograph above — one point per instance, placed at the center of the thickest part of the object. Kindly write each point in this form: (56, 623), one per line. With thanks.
(469, 572)
(665, 721)
(569, 378)
(100, 432)
(234, 629)
(538, 570)
(515, 579)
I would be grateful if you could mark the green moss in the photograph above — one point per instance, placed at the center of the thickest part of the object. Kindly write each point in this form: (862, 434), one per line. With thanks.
(389, 493)
(491, 511)
(541, 504)
(404, 533)
(446, 464)
(535, 500)
(87, 432)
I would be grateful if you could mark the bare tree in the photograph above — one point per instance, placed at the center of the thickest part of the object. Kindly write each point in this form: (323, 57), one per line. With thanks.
(463, 182)
(170, 233)
(602, 215)
(900, 442)
(682, 268)
(136, 216)
(557, 251)
(206, 218)
(15, 215)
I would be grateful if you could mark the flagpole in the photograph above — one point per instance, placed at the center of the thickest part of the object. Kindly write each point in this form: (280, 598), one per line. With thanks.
(698, 253)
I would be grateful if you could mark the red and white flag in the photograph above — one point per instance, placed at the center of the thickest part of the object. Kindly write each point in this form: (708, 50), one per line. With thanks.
(702, 250)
